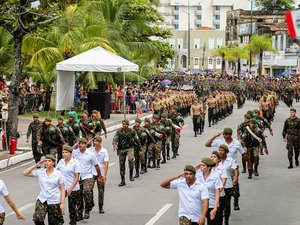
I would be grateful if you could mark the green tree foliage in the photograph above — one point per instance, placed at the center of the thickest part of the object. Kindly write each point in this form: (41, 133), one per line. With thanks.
(275, 5)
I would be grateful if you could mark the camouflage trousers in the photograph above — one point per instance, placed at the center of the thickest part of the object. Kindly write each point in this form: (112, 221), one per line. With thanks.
(150, 151)
(252, 158)
(143, 153)
(157, 150)
(122, 160)
(292, 146)
(139, 156)
(86, 198)
(175, 141)
(2, 218)
(73, 202)
(166, 146)
(101, 189)
(35, 151)
(185, 221)
(51, 150)
(55, 216)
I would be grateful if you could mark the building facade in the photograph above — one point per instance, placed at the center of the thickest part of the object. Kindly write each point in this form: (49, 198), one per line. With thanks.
(203, 43)
(210, 13)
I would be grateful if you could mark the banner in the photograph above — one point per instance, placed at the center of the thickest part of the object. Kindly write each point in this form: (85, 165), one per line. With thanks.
(293, 23)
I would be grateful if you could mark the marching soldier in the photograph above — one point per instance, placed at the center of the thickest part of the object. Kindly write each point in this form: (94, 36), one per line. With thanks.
(74, 125)
(33, 128)
(196, 113)
(212, 106)
(85, 125)
(150, 143)
(167, 123)
(240, 131)
(159, 135)
(50, 139)
(124, 141)
(66, 131)
(98, 124)
(290, 135)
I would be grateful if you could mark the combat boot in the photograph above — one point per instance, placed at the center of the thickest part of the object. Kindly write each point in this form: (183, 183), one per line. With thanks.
(158, 163)
(101, 211)
(250, 176)
(164, 160)
(149, 161)
(226, 222)
(297, 162)
(174, 155)
(177, 154)
(143, 169)
(168, 152)
(195, 134)
(154, 164)
(131, 175)
(261, 151)
(236, 203)
(72, 222)
(256, 171)
(291, 164)
(39, 223)
(122, 181)
(136, 173)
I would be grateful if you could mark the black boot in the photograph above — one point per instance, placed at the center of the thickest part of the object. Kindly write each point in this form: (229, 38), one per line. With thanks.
(297, 162)
(168, 152)
(72, 222)
(86, 215)
(39, 223)
(149, 161)
(261, 151)
(177, 154)
(174, 154)
(226, 222)
(250, 176)
(164, 160)
(143, 169)
(256, 170)
(131, 175)
(101, 211)
(122, 181)
(154, 164)
(136, 173)
(195, 133)
(236, 203)
(158, 163)
(244, 165)
(291, 164)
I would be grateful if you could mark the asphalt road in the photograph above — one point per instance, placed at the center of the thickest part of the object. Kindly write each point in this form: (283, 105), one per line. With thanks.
(270, 199)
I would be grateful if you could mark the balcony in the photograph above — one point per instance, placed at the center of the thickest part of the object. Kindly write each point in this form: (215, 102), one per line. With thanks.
(175, 12)
(198, 12)
(216, 12)
(216, 21)
(175, 21)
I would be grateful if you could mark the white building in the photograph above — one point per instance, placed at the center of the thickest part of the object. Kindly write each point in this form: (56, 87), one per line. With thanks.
(210, 13)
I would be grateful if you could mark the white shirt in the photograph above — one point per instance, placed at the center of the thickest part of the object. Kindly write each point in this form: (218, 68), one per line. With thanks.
(4, 193)
(102, 157)
(212, 183)
(69, 170)
(222, 174)
(190, 198)
(229, 165)
(87, 161)
(234, 147)
(50, 186)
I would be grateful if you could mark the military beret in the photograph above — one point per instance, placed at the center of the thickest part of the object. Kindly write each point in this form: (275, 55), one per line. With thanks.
(155, 116)
(216, 153)
(147, 120)
(49, 156)
(247, 116)
(71, 115)
(224, 147)
(207, 161)
(190, 168)
(60, 118)
(48, 119)
(250, 113)
(68, 148)
(83, 140)
(35, 115)
(126, 121)
(227, 131)
(98, 138)
(256, 110)
(293, 110)
(164, 115)
(94, 111)
(85, 112)
(174, 107)
(138, 120)
(253, 121)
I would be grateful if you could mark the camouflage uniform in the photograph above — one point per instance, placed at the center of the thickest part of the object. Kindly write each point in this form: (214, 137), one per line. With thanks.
(176, 119)
(149, 145)
(33, 130)
(185, 221)
(157, 129)
(167, 139)
(98, 126)
(68, 134)
(75, 128)
(55, 216)
(2, 218)
(291, 133)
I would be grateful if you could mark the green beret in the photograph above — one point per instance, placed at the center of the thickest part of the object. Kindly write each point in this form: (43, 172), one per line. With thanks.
(253, 121)
(60, 118)
(94, 111)
(155, 116)
(293, 110)
(250, 113)
(163, 115)
(227, 131)
(85, 112)
(49, 156)
(98, 138)
(71, 115)
(48, 119)
(147, 120)
(224, 147)
(190, 168)
(174, 107)
(138, 120)
(68, 148)
(35, 115)
(216, 153)
(256, 110)
(247, 116)
(207, 161)
(83, 140)
(126, 121)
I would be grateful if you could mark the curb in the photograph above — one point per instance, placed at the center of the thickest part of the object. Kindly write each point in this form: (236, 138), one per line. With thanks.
(28, 155)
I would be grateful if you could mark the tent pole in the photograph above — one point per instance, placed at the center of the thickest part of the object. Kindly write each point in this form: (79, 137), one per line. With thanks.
(124, 97)
(139, 97)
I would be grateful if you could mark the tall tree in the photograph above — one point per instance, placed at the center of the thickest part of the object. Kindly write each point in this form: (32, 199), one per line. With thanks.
(238, 53)
(6, 52)
(275, 5)
(20, 18)
(224, 53)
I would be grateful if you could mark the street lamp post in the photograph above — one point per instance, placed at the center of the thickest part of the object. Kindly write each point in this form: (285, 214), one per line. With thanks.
(251, 31)
(189, 38)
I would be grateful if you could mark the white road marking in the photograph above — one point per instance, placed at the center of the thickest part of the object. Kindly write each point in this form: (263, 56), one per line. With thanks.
(111, 164)
(24, 164)
(27, 206)
(159, 214)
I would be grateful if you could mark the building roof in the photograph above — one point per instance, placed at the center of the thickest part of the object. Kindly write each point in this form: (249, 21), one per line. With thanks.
(204, 28)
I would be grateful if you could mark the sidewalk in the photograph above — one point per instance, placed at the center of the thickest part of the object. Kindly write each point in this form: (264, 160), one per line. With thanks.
(24, 149)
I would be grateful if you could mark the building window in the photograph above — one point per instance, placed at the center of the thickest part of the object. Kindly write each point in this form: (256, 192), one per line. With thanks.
(198, 25)
(217, 26)
(196, 61)
(176, 7)
(218, 61)
(199, 7)
(219, 42)
(199, 17)
(180, 43)
(196, 43)
(232, 7)
(176, 17)
(210, 61)
(211, 43)
(217, 8)
(172, 42)
(217, 17)
(176, 26)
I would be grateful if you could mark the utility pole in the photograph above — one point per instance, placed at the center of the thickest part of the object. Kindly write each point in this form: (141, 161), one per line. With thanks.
(251, 31)
(189, 38)
(203, 55)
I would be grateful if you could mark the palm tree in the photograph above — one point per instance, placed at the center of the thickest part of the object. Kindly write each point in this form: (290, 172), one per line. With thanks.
(259, 44)
(6, 52)
(239, 53)
(224, 53)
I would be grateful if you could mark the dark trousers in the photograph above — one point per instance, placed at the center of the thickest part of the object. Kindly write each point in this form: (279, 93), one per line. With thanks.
(209, 221)
(196, 123)
(86, 198)
(73, 202)
(36, 153)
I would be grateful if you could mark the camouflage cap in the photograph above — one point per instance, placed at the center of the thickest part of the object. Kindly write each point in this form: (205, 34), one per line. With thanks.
(155, 116)
(35, 115)
(48, 119)
(83, 140)
(147, 120)
(174, 107)
(293, 110)
(224, 147)
(207, 161)
(85, 112)
(190, 168)
(49, 156)
(253, 121)
(256, 110)
(227, 131)
(60, 118)
(98, 138)
(250, 113)
(216, 153)
(247, 116)
(138, 120)
(126, 121)
(164, 115)
(94, 111)
(68, 148)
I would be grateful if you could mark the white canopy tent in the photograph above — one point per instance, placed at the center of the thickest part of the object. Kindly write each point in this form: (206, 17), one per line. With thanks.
(95, 60)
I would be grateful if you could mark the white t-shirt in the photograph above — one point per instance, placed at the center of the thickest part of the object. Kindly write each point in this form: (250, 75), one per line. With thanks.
(102, 157)
(222, 174)
(190, 198)
(69, 172)
(229, 165)
(4, 193)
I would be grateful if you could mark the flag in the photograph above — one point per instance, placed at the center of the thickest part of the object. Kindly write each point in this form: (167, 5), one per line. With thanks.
(293, 23)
